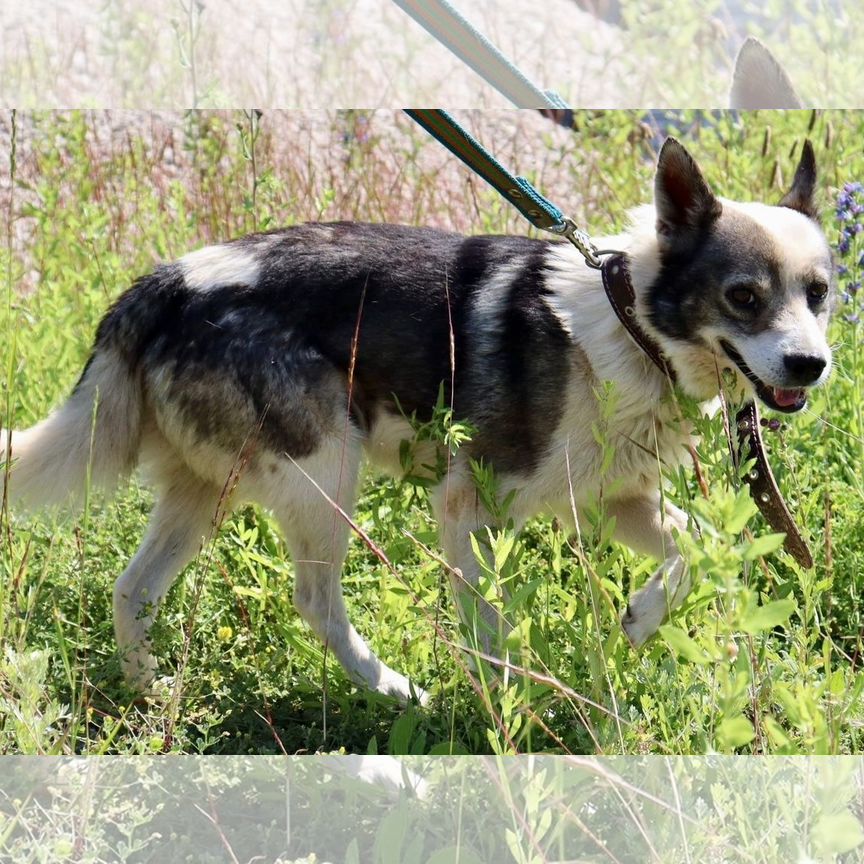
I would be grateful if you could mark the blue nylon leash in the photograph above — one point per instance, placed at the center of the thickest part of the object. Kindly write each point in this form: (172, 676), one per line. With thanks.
(455, 32)
(536, 208)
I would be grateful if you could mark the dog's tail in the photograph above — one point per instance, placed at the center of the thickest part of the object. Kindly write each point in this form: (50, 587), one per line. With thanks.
(93, 439)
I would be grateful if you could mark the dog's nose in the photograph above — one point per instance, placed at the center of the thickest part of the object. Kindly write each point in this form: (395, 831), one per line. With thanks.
(804, 369)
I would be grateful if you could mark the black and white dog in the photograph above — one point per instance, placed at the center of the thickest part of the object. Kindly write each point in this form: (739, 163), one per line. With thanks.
(271, 364)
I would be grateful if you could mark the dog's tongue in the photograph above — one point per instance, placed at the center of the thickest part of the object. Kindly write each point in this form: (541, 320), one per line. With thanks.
(787, 398)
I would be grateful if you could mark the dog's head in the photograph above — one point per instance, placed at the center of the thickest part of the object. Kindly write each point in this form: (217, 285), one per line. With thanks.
(742, 286)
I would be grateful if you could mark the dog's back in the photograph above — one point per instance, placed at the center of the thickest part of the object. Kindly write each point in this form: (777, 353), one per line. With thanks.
(258, 335)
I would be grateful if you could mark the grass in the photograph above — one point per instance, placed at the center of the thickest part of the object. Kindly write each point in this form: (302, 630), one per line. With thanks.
(765, 658)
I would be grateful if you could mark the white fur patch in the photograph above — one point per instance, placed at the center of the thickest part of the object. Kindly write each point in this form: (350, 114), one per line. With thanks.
(219, 266)
(795, 331)
(801, 245)
(580, 303)
(384, 441)
(53, 461)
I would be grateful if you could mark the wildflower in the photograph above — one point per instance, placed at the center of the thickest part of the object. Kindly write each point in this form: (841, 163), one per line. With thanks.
(849, 209)
(850, 217)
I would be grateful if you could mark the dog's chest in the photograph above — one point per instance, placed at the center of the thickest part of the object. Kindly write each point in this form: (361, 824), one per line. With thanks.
(616, 455)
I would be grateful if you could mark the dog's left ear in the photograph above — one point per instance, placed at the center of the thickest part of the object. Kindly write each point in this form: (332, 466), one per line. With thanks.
(685, 203)
(800, 196)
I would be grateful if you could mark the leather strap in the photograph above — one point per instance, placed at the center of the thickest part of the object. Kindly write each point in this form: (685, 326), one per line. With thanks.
(760, 479)
(619, 290)
(763, 486)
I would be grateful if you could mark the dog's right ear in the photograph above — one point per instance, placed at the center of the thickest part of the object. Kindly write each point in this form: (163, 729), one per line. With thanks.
(759, 81)
(684, 202)
(801, 196)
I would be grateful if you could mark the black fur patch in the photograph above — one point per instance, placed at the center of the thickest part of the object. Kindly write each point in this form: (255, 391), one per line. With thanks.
(688, 288)
(278, 353)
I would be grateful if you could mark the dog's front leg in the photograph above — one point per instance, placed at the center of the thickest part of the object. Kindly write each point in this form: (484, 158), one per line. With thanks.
(646, 525)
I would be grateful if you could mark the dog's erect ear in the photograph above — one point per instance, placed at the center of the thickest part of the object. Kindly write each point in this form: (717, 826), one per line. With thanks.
(759, 81)
(800, 196)
(683, 199)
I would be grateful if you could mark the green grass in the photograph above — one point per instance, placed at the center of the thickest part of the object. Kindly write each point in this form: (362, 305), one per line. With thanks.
(765, 657)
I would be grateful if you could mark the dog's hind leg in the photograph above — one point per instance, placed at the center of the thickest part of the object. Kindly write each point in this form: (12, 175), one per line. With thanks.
(646, 525)
(182, 521)
(460, 517)
(318, 536)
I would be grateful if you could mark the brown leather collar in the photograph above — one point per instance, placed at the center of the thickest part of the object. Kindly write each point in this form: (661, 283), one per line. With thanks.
(619, 290)
(760, 479)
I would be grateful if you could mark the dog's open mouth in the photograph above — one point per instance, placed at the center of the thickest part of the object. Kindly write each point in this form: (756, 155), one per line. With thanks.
(780, 399)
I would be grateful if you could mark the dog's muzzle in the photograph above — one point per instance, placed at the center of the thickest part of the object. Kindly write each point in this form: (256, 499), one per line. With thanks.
(787, 400)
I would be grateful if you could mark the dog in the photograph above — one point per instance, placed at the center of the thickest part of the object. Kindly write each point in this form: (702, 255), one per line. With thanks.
(269, 365)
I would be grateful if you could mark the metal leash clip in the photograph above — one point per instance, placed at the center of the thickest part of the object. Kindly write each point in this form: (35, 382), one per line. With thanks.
(580, 239)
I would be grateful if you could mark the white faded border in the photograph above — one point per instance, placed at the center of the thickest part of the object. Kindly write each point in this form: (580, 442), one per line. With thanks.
(369, 53)
(432, 810)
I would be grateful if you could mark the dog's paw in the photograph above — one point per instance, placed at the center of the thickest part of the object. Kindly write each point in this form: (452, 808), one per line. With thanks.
(650, 606)
(645, 612)
(400, 688)
(139, 670)
(160, 688)
(635, 629)
(422, 696)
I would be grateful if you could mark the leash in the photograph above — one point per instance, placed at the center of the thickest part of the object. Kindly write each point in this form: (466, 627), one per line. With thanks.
(543, 214)
(452, 30)
(537, 209)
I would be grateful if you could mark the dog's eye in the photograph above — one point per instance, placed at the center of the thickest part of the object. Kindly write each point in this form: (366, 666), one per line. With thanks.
(816, 293)
(742, 298)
